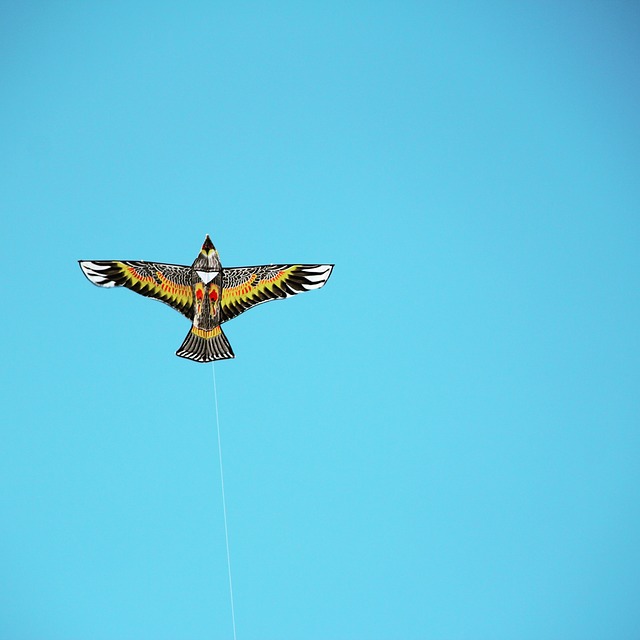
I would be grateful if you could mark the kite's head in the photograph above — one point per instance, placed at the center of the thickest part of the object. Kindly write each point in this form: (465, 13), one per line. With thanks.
(207, 259)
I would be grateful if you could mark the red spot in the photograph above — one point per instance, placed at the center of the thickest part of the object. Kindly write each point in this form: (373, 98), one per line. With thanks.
(199, 294)
(213, 295)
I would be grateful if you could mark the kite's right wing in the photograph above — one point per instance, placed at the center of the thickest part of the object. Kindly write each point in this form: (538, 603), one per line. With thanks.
(169, 283)
(245, 287)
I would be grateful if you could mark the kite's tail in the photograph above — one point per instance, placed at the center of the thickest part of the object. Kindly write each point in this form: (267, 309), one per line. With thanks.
(205, 345)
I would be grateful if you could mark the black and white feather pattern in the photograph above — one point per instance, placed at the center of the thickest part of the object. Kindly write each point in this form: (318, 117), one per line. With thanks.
(260, 284)
(168, 283)
(201, 349)
(109, 273)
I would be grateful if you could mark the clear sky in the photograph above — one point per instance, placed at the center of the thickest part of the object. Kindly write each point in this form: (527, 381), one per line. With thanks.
(441, 444)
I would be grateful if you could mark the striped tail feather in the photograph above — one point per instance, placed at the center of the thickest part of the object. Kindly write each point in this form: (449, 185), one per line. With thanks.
(205, 345)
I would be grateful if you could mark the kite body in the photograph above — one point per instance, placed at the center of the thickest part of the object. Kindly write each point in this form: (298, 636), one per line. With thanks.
(207, 293)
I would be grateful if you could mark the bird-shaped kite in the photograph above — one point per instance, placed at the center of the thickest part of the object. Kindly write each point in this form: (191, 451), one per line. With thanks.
(206, 292)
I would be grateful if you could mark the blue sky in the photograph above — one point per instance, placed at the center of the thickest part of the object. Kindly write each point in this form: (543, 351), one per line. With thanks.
(443, 443)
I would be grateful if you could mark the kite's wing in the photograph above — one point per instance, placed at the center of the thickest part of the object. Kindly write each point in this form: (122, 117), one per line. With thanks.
(245, 287)
(169, 283)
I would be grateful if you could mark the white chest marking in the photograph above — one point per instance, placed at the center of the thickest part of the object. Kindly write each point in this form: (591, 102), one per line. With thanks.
(207, 276)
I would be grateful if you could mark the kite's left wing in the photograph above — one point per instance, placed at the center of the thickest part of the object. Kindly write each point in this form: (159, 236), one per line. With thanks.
(245, 287)
(169, 283)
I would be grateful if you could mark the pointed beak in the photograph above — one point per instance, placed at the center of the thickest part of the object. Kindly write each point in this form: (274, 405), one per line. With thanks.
(208, 245)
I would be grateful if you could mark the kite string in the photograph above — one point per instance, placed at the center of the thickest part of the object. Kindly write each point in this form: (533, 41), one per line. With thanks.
(224, 502)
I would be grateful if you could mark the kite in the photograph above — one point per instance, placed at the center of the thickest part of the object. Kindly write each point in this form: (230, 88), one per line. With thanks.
(206, 292)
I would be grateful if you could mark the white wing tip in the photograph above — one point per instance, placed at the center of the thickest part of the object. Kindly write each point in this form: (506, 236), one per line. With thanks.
(93, 271)
(317, 276)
